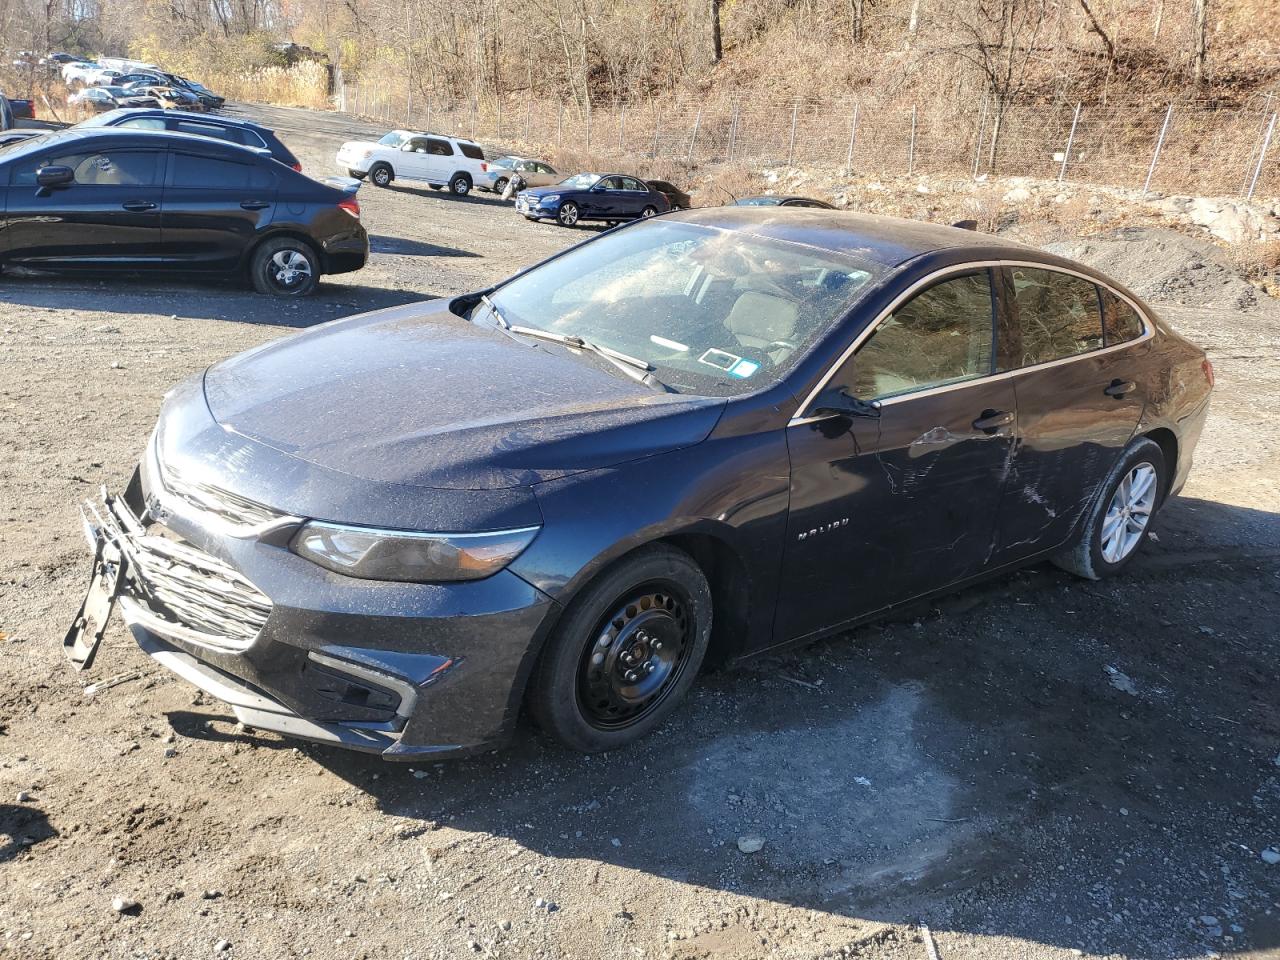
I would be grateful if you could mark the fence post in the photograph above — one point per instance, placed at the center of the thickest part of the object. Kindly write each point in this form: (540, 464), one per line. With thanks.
(588, 120)
(1071, 139)
(693, 141)
(528, 117)
(911, 149)
(853, 138)
(475, 109)
(499, 135)
(733, 131)
(622, 128)
(1262, 155)
(560, 126)
(791, 150)
(1151, 171)
(654, 152)
(982, 134)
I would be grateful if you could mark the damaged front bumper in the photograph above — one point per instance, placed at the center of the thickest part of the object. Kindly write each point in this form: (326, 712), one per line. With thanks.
(330, 659)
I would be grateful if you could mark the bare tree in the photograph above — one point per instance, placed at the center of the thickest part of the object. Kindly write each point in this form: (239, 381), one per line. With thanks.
(717, 50)
(1200, 40)
(1097, 28)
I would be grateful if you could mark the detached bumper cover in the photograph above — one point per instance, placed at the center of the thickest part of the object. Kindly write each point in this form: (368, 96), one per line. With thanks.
(420, 670)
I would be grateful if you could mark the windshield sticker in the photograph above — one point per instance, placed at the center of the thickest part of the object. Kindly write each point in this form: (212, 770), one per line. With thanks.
(744, 368)
(719, 359)
(669, 344)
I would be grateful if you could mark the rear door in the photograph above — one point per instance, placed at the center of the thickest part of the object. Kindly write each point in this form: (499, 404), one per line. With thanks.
(215, 206)
(110, 215)
(1079, 399)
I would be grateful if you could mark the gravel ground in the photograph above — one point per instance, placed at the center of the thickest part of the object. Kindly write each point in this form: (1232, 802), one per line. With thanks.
(1039, 767)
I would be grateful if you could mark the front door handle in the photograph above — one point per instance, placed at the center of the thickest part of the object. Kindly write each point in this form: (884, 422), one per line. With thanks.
(993, 420)
(1119, 388)
(255, 204)
(137, 206)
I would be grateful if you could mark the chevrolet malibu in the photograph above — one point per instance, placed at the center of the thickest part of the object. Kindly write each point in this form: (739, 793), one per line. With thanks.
(694, 438)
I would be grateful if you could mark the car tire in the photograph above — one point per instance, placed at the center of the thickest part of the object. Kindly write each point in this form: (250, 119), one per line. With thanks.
(381, 175)
(568, 214)
(649, 211)
(460, 185)
(1119, 521)
(285, 267)
(356, 174)
(654, 610)
(500, 184)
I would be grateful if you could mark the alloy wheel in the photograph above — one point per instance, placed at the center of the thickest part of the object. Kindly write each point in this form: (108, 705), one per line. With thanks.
(1128, 513)
(649, 212)
(638, 653)
(569, 214)
(289, 269)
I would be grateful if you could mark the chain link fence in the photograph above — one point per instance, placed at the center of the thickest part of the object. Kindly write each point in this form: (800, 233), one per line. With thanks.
(1188, 146)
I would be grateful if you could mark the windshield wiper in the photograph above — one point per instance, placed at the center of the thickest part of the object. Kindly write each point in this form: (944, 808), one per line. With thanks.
(497, 314)
(623, 361)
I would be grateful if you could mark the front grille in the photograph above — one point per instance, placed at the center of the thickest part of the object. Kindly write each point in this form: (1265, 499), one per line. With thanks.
(187, 587)
(208, 498)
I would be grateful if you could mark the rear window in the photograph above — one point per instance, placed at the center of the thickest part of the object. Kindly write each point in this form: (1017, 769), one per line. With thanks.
(1120, 322)
(471, 150)
(1047, 316)
(215, 173)
(208, 130)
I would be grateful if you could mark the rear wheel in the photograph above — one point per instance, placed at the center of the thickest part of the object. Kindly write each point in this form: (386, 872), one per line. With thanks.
(1120, 520)
(285, 267)
(625, 653)
(568, 215)
(381, 174)
(649, 211)
(460, 185)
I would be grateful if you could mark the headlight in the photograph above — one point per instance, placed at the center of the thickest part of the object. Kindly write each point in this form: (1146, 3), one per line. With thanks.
(407, 555)
(366, 154)
(550, 198)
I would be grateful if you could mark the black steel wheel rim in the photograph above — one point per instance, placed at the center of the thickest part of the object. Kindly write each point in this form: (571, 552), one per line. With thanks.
(635, 657)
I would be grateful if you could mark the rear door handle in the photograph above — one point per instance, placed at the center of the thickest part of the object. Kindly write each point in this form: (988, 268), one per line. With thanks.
(993, 420)
(255, 204)
(1119, 388)
(138, 205)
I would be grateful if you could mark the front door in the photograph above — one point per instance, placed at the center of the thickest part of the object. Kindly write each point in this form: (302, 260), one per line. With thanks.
(885, 508)
(214, 208)
(109, 216)
(603, 200)
(415, 160)
(1080, 394)
(441, 160)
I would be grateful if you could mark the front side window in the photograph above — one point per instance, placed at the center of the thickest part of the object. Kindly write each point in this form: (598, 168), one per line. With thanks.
(417, 145)
(543, 168)
(940, 336)
(108, 168)
(1048, 316)
(629, 184)
(715, 312)
(611, 183)
(1120, 322)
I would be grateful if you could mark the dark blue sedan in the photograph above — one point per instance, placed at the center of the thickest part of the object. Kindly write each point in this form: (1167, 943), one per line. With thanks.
(592, 196)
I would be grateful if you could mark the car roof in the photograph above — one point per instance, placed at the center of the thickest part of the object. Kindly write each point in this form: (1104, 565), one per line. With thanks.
(126, 136)
(886, 240)
(187, 115)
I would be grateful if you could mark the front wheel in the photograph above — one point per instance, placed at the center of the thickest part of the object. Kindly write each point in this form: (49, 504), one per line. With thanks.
(382, 175)
(284, 267)
(500, 184)
(625, 653)
(568, 215)
(1120, 519)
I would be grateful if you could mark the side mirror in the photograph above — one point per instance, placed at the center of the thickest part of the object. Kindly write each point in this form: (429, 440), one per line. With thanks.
(837, 400)
(55, 175)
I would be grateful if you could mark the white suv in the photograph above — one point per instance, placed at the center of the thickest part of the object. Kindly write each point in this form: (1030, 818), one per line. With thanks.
(431, 157)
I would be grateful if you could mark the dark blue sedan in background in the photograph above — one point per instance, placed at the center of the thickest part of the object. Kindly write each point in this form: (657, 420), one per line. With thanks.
(592, 196)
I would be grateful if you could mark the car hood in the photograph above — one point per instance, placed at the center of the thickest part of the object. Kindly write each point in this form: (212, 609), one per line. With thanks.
(418, 396)
(360, 145)
(546, 191)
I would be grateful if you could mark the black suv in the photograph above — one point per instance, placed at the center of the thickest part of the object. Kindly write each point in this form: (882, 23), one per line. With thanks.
(220, 128)
(116, 199)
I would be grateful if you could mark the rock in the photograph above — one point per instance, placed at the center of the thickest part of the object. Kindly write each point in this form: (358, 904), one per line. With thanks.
(1121, 682)
(504, 924)
(117, 365)
(222, 946)
(1017, 195)
(211, 895)
(1209, 921)
(124, 905)
(751, 843)
(1270, 855)
(23, 796)
(170, 752)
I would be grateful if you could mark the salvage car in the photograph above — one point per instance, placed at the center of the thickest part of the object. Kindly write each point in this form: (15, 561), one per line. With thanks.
(612, 197)
(496, 174)
(102, 99)
(734, 431)
(110, 199)
(433, 158)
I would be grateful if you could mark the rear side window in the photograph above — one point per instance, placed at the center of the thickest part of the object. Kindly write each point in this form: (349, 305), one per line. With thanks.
(1047, 316)
(629, 184)
(439, 148)
(1120, 322)
(208, 130)
(143, 123)
(471, 150)
(940, 336)
(217, 174)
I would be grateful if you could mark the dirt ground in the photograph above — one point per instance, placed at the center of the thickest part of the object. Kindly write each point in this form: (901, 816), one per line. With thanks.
(1037, 768)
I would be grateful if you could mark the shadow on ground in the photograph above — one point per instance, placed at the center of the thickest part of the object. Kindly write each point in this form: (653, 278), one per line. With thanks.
(1085, 765)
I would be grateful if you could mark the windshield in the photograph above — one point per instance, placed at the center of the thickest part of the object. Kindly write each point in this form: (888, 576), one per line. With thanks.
(581, 181)
(394, 139)
(507, 162)
(715, 312)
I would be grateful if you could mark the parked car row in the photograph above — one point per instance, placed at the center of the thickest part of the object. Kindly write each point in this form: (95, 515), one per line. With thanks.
(133, 75)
